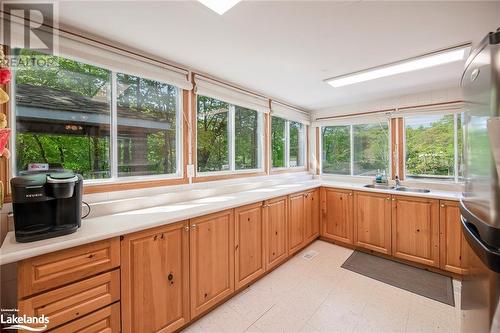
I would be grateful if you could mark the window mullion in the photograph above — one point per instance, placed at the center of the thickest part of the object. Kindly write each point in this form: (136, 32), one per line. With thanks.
(455, 146)
(231, 138)
(113, 135)
(351, 149)
(287, 143)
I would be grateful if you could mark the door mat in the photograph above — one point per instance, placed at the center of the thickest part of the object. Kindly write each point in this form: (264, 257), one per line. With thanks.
(419, 281)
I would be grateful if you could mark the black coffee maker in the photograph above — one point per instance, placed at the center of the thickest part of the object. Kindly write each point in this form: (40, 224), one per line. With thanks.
(46, 204)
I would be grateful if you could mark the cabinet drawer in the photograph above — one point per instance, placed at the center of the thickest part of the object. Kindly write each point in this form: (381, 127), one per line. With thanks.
(74, 301)
(106, 320)
(59, 268)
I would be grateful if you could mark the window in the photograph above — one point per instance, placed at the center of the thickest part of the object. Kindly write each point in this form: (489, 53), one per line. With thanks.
(67, 115)
(229, 137)
(433, 146)
(371, 149)
(63, 114)
(288, 143)
(356, 150)
(336, 150)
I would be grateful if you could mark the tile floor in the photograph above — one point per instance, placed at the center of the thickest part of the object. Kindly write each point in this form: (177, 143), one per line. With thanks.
(318, 295)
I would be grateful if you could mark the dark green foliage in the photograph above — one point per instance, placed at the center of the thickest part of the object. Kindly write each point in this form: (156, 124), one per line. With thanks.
(336, 150)
(278, 142)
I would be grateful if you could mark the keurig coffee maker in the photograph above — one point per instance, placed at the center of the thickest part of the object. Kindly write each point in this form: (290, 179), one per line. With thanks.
(46, 205)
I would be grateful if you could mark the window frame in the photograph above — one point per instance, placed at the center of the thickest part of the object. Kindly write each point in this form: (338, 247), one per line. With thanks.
(165, 179)
(201, 175)
(351, 174)
(430, 178)
(304, 143)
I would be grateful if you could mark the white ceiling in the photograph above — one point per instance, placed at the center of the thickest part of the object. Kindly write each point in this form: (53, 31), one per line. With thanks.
(285, 49)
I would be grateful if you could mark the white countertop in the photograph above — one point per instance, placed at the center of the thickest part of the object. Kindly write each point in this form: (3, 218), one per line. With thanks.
(103, 227)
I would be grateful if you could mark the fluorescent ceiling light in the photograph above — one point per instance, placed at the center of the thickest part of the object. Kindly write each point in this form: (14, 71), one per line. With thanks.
(426, 61)
(219, 6)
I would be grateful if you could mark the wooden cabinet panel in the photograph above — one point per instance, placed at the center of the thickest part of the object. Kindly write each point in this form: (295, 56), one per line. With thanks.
(76, 300)
(276, 215)
(312, 206)
(155, 283)
(452, 243)
(337, 215)
(249, 244)
(415, 229)
(62, 267)
(296, 217)
(106, 320)
(372, 221)
(211, 260)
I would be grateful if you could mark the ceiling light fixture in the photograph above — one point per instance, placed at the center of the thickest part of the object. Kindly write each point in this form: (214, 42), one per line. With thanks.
(219, 6)
(441, 57)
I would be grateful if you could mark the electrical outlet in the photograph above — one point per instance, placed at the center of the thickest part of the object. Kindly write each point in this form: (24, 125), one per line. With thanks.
(190, 170)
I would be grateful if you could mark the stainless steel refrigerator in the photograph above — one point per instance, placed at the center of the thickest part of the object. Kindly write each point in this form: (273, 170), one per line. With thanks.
(480, 203)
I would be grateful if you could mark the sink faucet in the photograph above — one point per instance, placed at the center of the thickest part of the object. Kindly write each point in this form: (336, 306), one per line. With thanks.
(398, 182)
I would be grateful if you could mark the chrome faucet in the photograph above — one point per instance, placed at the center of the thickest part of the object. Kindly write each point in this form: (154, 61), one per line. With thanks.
(398, 182)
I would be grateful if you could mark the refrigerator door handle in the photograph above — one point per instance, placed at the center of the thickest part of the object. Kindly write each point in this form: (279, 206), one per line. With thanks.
(489, 256)
(493, 126)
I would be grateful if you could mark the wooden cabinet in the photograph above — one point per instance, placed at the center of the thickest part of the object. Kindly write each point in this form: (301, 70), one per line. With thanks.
(106, 320)
(311, 219)
(211, 260)
(62, 267)
(372, 221)
(296, 214)
(275, 215)
(155, 283)
(453, 246)
(415, 229)
(249, 254)
(337, 215)
(74, 301)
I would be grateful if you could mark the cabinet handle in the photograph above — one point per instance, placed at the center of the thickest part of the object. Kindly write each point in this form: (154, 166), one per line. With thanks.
(350, 194)
(393, 199)
(442, 205)
(193, 226)
(388, 199)
(186, 228)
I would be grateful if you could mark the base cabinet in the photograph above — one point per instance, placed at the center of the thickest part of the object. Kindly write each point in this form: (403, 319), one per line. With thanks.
(337, 215)
(372, 221)
(155, 284)
(296, 223)
(453, 246)
(249, 250)
(311, 211)
(276, 234)
(415, 229)
(211, 260)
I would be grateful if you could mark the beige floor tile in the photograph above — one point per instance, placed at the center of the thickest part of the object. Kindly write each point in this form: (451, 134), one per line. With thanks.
(317, 295)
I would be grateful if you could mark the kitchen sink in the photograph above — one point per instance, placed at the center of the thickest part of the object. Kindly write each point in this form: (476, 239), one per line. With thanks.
(381, 187)
(409, 189)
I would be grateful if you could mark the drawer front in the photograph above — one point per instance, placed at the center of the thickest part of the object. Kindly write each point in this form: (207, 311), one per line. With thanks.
(74, 301)
(59, 268)
(106, 320)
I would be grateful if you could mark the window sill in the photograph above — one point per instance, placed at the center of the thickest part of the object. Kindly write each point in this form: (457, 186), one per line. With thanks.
(287, 170)
(131, 183)
(220, 175)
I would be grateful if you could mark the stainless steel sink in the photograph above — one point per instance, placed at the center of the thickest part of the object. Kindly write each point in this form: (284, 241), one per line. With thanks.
(409, 189)
(381, 187)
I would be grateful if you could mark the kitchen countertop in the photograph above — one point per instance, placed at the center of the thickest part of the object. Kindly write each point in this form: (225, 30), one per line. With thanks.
(103, 227)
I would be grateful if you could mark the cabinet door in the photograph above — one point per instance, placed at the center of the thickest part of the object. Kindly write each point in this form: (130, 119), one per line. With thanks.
(154, 275)
(452, 243)
(415, 229)
(211, 260)
(337, 215)
(312, 205)
(372, 221)
(296, 222)
(276, 213)
(249, 244)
